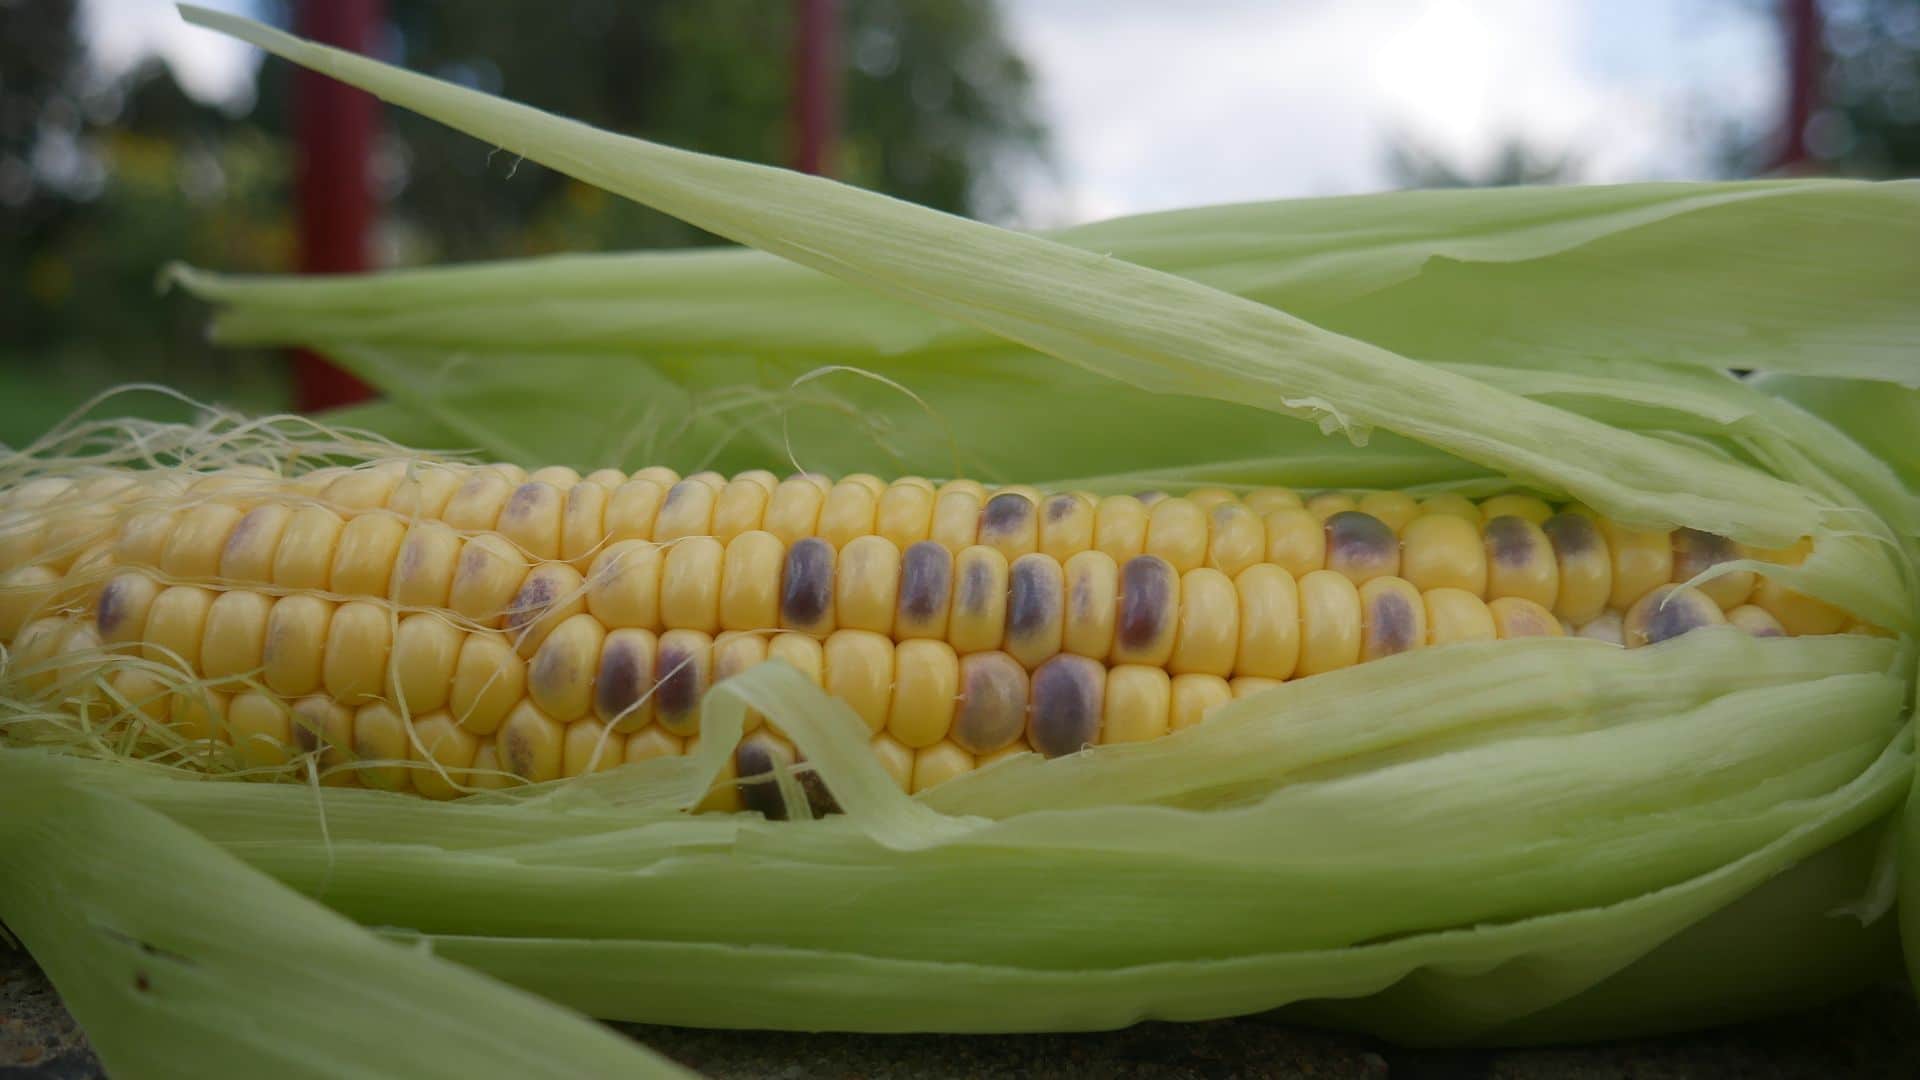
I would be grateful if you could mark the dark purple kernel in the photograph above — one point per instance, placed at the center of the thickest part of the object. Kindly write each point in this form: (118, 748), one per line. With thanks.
(1081, 598)
(1146, 600)
(516, 752)
(1060, 507)
(305, 735)
(752, 760)
(536, 595)
(678, 491)
(1510, 541)
(244, 531)
(412, 553)
(1572, 534)
(976, 588)
(1695, 551)
(113, 606)
(681, 683)
(1674, 614)
(625, 673)
(807, 588)
(819, 799)
(524, 499)
(1033, 595)
(759, 792)
(473, 563)
(993, 703)
(1358, 538)
(1068, 692)
(552, 668)
(1006, 512)
(926, 579)
(1390, 624)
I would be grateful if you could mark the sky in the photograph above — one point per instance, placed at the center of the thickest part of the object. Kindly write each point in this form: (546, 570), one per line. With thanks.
(1162, 103)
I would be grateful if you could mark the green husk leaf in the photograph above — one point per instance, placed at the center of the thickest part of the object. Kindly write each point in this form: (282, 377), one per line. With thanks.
(182, 961)
(1152, 330)
(1882, 419)
(1458, 916)
(1726, 275)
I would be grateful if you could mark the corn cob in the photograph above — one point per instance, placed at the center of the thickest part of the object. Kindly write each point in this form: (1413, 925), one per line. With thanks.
(506, 626)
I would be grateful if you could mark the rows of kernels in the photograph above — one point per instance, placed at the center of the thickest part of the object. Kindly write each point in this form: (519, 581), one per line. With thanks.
(546, 517)
(1151, 617)
(1172, 637)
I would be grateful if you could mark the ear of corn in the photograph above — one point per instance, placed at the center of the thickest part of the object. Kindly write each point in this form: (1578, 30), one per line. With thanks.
(395, 620)
(1478, 842)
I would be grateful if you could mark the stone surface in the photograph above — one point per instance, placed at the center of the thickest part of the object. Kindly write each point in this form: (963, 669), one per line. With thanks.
(1873, 1035)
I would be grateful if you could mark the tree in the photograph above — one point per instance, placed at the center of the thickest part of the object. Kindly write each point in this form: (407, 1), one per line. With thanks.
(103, 180)
(1413, 165)
(937, 106)
(1866, 122)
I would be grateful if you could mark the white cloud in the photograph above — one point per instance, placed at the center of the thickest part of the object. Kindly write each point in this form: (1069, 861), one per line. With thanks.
(120, 33)
(1157, 105)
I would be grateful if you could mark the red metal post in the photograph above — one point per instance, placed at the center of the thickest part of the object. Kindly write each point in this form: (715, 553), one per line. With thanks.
(1802, 24)
(333, 130)
(816, 84)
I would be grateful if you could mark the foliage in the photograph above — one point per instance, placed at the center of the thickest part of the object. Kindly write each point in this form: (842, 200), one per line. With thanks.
(937, 110)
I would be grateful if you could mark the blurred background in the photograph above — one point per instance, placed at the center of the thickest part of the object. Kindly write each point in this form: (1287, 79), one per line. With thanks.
(128, 139)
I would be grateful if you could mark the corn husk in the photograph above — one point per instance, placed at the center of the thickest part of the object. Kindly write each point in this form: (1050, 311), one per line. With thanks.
(1544, 840)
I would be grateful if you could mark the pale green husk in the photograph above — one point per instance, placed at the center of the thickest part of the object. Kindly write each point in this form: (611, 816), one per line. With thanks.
(1543, 840)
